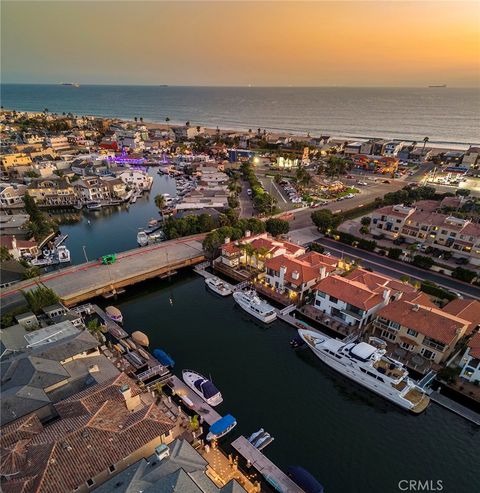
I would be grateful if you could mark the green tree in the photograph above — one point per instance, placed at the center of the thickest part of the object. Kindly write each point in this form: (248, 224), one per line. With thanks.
(366, 220)
(276, 226)
(463, 192)
(212, 242)
(324, 220)
(463, 274)
(423, 262)
(395, 253)
(95, 329)
(160, 201)
(39, 298)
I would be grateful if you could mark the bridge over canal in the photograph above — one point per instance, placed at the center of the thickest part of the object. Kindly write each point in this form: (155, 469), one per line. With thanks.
(79, 283)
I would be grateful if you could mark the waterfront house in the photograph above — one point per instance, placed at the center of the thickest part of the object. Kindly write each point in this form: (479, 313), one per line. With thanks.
(14, 224)
(176, 467)
(98, 433)
(261, 247)
(92, 189)
(352, 148)
(19, 248)
(117, 188)
(46, 365)
(391, 148)
(349, 301)
(53, 191)
(136, 179)
(471, 157)
(421, 330)
(11, 194)
(470, 362)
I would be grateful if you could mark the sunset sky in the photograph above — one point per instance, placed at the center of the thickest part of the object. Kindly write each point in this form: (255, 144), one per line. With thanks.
(321, 43)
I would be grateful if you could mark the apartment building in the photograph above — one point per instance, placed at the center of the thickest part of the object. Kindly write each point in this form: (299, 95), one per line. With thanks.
(53, 191)
(424, 330)
(430, 228)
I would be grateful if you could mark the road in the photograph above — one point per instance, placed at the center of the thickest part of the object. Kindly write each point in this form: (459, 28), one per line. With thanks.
(246, 203)
(367, 194)
(397, 269)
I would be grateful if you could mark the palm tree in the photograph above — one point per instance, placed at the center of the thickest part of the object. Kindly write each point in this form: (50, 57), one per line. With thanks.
(167, 119)
(141, 119)
(136, 119)
(160, 202)
(95, 329)
(425, 140)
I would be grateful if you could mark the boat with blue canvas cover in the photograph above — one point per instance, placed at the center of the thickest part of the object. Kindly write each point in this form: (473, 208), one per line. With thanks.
(163, 357)
(203, 387)
(221, 427)
(304, 479)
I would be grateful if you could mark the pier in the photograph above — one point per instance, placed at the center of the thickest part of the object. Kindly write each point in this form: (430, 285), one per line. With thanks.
(205, 411)
(455, 407)
(273, 474)
(79, 283)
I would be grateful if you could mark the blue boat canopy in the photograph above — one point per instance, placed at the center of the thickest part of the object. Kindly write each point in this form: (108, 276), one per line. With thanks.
(222, 424)
(304, 479)
(206, 387)
(163, 357)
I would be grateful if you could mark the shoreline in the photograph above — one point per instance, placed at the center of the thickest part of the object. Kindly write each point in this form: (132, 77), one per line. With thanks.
(278, 133)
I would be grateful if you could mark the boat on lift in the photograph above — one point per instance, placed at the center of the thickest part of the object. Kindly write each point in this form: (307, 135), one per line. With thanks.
(251, 303)
(94, 206)
(142, 238)
(203, 387)
(221, 427)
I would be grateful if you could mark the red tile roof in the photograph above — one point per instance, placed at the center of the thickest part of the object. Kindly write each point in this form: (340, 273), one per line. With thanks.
(431, 322)
(474, 345)
(375, 281)
(350, 291)
(466, 309)
(6, 241)
(95, 431)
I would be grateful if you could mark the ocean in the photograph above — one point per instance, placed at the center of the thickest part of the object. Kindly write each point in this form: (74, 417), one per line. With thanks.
(448, 116)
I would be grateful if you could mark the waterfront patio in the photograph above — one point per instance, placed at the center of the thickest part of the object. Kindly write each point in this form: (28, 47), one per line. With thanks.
(329, 321)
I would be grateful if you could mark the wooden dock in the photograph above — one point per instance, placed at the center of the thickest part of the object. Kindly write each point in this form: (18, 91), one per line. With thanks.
(273, 474)
(455, 407)
(79, 283)
(205, 411)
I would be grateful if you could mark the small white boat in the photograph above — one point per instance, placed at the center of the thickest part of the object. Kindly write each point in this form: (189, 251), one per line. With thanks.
(63, 254)
(221, 427)
(114, 314)
(203, 387)
(142, 238)
(94, 206)
(251, 303)
(255, 436)
(218, 286)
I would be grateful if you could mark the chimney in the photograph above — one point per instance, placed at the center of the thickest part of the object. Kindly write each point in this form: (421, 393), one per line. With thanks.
(162, 452)
(283, 271)
(227, 240)
(295, 274)
(93, 369)
(415, 308)
(131, 402)
(323, 272)
(14, 243)
(247, 234)
(386, 294)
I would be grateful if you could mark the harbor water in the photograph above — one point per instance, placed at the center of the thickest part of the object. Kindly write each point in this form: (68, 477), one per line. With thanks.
(350, 439)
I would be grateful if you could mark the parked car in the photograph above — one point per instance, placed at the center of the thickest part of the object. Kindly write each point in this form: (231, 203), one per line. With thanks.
(461, 261)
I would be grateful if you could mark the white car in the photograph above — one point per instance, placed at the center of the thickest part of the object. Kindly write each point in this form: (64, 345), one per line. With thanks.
(362, 183)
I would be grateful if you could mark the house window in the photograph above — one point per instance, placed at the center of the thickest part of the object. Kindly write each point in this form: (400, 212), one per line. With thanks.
(426, 353)
(320, 294)
(90, 482)
(388, 335)
(333, 299)
(412, 332)
(406, 346)
(394, 325)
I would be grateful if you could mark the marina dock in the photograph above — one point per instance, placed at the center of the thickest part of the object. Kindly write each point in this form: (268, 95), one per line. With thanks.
(79, 283)
(273, 474)
(455, 407)
(206, 412)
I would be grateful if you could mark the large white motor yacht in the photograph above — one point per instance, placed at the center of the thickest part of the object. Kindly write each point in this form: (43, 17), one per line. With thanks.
(369, 366)
(203, 387)
(254, 305)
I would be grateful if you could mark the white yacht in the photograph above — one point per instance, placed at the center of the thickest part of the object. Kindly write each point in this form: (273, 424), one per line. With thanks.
(254, 305)
(203, 387)
(218, 286)
(369, 366)
(142, 238)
